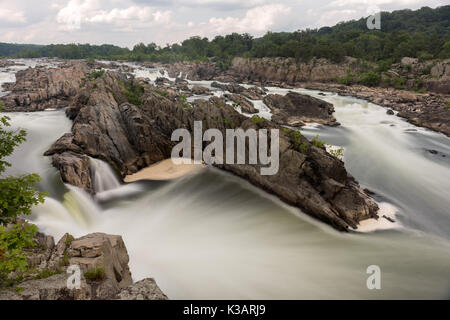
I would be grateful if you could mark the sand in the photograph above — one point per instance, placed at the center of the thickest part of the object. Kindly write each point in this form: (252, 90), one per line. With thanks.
(164, 170)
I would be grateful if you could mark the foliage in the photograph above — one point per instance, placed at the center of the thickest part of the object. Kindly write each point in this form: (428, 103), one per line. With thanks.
(96, 74)
(17, 196)
(95, 274)
(161, 92)
(12, 242)
(46, 273)
(338, 153)
(258, 120)
(447, 106)
(370, 79)
(318, 143)
(133, 92)
(423, 33)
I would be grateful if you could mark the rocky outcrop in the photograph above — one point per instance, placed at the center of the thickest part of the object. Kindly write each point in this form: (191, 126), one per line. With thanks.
(295, 109)
(193, 71)
(246, 106)
(280, 71)
(40, 88)
(230, 87)
(422, 109)
(103, 262)
(200, 90)
(131, 137)
(146, 289)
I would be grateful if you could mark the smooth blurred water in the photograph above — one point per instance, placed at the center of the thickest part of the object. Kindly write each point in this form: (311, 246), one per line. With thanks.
(214, 236)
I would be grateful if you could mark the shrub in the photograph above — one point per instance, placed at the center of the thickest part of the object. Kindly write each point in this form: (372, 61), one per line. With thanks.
(161, 92)
(95, 274)
(257, 120)
(96, 74)
(338, 153)
(12, 243)
(17, 196)
(318, 143)
(447, 106)
(46, 273)
(399, 82)
(370, 79)
(134, 92)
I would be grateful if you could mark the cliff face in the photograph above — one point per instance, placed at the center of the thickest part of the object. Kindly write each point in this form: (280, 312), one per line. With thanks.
(286, 70)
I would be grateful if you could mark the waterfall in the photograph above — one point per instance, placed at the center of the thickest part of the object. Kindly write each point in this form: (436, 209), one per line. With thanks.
(104, 178)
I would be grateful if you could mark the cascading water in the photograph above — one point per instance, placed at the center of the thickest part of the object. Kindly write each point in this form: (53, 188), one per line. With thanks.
(103, 176)
(212, 235)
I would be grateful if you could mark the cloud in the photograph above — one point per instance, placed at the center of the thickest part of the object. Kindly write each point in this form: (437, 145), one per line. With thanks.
(78, 12)
(12, 16)
(256, 20)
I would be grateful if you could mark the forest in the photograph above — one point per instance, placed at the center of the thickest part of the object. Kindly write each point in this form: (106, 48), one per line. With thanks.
(423, 33)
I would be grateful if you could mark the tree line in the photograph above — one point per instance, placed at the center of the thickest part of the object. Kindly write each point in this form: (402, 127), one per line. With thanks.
(423, 33)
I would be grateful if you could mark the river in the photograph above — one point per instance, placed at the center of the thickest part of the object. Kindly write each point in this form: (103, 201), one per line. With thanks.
(215, 236)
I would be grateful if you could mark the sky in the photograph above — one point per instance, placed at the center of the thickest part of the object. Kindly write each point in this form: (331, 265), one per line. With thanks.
(127, 22)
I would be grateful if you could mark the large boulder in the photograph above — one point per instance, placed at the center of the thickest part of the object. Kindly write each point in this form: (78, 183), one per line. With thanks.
(94, 253)
(294, 109)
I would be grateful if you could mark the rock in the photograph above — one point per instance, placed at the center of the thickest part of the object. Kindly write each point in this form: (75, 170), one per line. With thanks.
(193, 71)
(51, 288)
(74, 168)
(99, 250)
(40, 88)
(230, 87)
(390, 112)
(409, 61)
(92, 251)
(388, 219)
(254, 93)
(246, 106)
(146, 289)
(131, 137)
(200, 90)
(293, 109)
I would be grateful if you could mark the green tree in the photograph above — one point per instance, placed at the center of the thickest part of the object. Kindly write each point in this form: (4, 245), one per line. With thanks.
(17, 196)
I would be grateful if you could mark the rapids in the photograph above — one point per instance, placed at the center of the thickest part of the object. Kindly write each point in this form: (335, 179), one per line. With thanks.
(215, 236)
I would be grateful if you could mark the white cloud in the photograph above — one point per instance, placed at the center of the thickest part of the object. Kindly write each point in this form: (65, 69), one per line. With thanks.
(77, 12)
(12, 16)
(256, 20)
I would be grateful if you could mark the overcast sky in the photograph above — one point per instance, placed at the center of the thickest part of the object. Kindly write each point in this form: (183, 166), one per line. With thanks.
(127, 22)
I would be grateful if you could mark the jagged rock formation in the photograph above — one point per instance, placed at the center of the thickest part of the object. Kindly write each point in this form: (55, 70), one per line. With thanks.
(41, 88)
(246, 106)
(47, 278)
(131, 137)
(295, 109)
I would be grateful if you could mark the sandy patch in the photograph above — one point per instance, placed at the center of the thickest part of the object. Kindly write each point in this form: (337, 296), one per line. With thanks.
(164, 170)
(386, 209)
